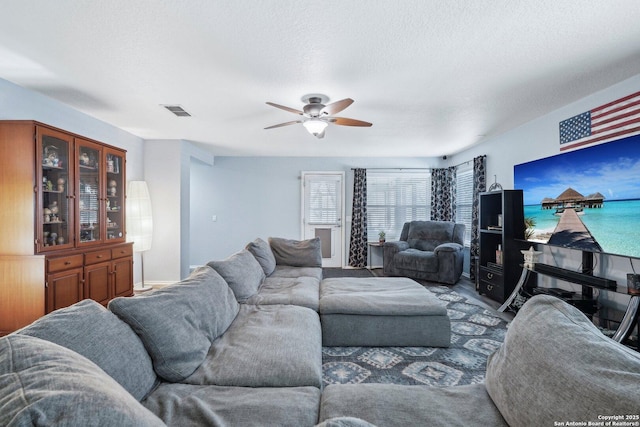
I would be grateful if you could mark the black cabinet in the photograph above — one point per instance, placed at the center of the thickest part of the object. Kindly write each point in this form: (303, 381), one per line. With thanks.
(501, 240)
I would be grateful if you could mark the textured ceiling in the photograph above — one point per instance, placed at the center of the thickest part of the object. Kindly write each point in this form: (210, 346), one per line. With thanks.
(434, 77)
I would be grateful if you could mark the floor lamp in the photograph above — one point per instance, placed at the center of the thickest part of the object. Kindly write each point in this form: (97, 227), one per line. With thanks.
(139, 222)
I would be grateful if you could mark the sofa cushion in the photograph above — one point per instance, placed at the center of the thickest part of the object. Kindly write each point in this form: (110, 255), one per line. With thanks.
(266, 346)
(296, 253)
(417, 260)
(208, 405)
(402, 405)
(285, 271)
(177, 324)
(242, 272)
(378, 296)
(42, 383)
(302, 291)
(99, 335)
(555, 365)
(262, 252)
(381, 311)
(427, 235)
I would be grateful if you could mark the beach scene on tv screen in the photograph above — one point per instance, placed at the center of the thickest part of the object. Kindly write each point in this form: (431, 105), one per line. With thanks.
(587, 199)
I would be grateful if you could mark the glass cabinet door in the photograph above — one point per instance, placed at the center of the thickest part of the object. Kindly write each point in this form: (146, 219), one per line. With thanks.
(115, 191)
(55, 192)
(90, 198)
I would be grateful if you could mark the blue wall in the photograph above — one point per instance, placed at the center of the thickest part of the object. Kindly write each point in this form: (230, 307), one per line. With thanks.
(261, 197)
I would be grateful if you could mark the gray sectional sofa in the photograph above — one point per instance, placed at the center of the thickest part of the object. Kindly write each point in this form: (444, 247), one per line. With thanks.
(191, 354)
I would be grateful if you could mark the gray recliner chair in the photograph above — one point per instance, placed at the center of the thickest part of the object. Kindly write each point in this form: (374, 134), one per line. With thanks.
(427, 250)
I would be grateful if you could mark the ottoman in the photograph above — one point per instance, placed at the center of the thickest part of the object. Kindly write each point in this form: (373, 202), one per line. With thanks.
(381, 312)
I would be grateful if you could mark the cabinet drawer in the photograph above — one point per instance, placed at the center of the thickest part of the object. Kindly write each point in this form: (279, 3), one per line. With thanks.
(494, 290)
(491, 276)
(63, 263)
(491, 284)
(122, 252)
(97, 256)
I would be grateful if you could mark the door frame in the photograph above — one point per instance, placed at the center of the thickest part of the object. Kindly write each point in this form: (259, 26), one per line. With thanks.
(342, 233)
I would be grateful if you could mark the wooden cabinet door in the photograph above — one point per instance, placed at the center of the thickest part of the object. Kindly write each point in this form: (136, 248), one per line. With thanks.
(64, 288)
(22, 296)
(90, 193)
(97, 283)
(55, 192)
(123, 277)
(114, 165)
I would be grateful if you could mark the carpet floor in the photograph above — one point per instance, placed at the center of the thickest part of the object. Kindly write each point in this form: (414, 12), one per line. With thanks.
(476, 331)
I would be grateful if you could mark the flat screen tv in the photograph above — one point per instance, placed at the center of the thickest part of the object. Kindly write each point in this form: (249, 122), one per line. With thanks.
(588, 199)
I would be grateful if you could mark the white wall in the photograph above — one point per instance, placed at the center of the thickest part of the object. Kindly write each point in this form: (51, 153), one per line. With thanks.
(167, 166)
(17, 103)
(540, 138)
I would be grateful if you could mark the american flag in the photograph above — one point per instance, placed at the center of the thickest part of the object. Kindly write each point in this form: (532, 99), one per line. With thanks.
(615, 120)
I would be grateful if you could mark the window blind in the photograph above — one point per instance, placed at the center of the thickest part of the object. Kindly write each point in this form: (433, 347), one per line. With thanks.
(395, 197)
(323, 206)
(464, 200)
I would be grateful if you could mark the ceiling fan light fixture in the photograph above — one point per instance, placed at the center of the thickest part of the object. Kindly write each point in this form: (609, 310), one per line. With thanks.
(315, 127)
(316, 116)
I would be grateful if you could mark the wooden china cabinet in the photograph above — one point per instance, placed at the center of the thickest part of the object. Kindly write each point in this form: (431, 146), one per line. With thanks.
(62, 222)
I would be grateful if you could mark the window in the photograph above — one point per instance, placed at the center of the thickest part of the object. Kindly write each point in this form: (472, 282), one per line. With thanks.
(323, 203)
(464, 199)
(395, 197)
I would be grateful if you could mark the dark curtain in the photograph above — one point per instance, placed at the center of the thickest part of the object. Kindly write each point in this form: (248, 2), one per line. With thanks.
(358, 243)
(479, 185)
(443, 194)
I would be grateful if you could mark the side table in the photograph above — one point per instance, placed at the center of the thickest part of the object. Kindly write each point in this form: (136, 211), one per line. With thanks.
(377, 247)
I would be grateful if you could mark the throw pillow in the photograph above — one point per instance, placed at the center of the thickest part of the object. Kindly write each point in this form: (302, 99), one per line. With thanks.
(262, 252)
(296, 253)
(42, 383)
(177, 324)
(555, 366)
(99, 335)
(242, 272)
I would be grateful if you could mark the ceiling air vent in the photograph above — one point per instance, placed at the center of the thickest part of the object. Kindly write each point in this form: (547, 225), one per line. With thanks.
(177, 110)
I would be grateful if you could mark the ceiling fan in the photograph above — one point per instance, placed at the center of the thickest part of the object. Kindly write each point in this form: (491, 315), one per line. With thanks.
(317, 115)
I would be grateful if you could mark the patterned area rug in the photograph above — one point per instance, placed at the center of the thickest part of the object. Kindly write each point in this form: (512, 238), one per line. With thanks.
(476, 332)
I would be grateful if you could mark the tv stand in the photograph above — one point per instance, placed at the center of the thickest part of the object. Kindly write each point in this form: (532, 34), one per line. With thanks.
(574, 276)
(588, 282)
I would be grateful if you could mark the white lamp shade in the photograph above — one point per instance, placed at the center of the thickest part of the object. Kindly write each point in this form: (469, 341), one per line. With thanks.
(139, 218)
(315, 126)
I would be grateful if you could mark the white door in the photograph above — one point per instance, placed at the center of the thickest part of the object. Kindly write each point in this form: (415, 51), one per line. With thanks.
(322, 213)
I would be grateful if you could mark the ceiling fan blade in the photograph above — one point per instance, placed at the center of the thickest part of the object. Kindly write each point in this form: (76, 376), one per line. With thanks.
(336, 107)
(343, 121)
(282, 107)
(284, 124)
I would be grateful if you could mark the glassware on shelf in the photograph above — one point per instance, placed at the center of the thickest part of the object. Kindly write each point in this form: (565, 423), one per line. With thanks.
(89, 192)
(55, 196)
(115, 195)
